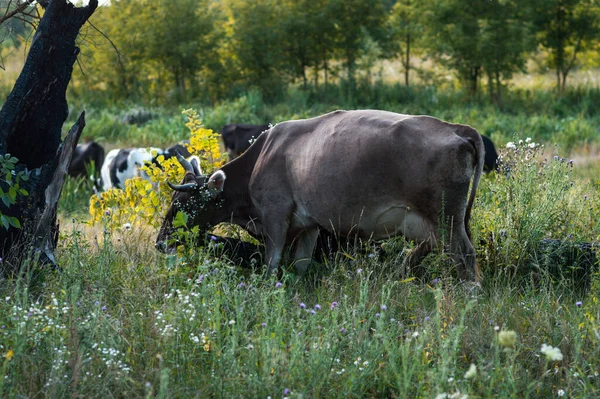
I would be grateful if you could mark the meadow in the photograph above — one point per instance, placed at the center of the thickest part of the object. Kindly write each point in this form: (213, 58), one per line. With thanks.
(122, 320)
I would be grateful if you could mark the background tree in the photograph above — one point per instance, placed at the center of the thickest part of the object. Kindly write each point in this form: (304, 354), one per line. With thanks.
(254, 34)
(405, 31)
(454, 37)
(565, 28)
(505, 39)
(352, 19)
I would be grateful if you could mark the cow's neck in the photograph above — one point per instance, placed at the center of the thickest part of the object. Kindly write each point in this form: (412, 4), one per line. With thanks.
(237, 206)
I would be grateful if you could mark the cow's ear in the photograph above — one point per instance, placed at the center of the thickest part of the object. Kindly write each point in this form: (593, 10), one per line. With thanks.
(216, 182)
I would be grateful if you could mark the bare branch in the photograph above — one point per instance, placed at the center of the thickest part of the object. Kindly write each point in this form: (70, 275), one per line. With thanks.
(18, 10)
(111, 43)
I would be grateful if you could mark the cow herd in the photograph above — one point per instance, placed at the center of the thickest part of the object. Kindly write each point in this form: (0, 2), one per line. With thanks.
(365, 174)
(119, 165)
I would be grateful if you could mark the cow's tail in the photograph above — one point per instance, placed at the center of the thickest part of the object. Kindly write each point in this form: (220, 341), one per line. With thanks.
(476, 141)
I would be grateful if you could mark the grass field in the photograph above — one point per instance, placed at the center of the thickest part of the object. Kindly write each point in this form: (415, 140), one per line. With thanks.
(122, 320)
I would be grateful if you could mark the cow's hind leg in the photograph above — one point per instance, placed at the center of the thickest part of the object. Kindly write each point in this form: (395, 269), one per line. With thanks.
(463, 255)
(304, 249)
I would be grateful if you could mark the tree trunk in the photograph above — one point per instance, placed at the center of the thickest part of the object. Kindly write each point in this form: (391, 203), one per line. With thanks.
(407, 60)
(30, 129)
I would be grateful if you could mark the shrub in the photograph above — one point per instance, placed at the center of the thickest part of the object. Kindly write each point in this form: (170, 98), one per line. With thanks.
(144, 201)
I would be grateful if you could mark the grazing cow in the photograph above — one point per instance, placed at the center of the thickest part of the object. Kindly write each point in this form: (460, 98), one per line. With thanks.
(84, 155)
(237, 137)
(491, 156)
(367, 173)
(123, 164)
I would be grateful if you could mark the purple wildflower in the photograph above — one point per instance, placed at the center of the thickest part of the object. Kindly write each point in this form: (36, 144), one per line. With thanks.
(103, 307)
(377, 315)
(578, 303)
(107, 212)
(286, 392)
(278, 284)
(333, 304)
(312, 311)
(318, 307)
(241, 285)
(383, 308)
(435, 281)
(343, 330)
(427, 318)
(302, 305)
(264, 325)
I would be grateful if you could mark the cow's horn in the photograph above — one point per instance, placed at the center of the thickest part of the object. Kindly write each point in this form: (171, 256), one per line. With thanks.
(183, 187)
(184, 162)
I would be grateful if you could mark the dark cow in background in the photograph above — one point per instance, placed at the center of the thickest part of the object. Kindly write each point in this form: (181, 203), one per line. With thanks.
(237, 137)
(83, 157)
(366, 174)
(180, 148)
(491, 156)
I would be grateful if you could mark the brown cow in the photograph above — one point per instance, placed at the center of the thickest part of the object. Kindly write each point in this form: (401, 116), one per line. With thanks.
(373, 174)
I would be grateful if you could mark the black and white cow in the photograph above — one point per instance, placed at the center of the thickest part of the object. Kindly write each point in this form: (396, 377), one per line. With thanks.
(83, 156)
(123, 164)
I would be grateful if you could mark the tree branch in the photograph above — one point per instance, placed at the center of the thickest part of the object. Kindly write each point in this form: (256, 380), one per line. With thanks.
(18, 10)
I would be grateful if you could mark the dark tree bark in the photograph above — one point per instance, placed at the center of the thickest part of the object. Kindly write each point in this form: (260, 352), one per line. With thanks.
(30, 128)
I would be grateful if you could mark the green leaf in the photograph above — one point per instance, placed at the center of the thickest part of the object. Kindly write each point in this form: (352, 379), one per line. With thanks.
(180, 219)
(14, 222)
(5, 222)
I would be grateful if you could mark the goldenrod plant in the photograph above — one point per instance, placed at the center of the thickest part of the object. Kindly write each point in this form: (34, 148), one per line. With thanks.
(144, 201)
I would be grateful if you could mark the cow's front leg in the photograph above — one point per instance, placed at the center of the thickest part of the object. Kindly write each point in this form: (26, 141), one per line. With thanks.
(304, 250)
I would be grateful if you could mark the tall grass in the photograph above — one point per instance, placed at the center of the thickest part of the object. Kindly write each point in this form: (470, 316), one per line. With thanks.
(122, 320)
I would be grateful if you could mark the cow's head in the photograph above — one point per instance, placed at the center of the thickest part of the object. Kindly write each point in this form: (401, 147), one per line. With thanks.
(198, 197)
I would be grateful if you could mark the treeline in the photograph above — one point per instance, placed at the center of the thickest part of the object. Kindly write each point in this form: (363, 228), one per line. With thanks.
(180, 50)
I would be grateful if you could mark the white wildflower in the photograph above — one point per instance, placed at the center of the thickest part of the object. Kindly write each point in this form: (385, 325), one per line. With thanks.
(551, 353)
(507, 338)
(560, 392)
(528, 139)
(472, 372)
(510, 145)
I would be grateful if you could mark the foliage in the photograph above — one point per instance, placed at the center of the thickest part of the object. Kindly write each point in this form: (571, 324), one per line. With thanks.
(204, 142)
(530, 199)
(143, 202)
(10, 189)
(566, 28)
